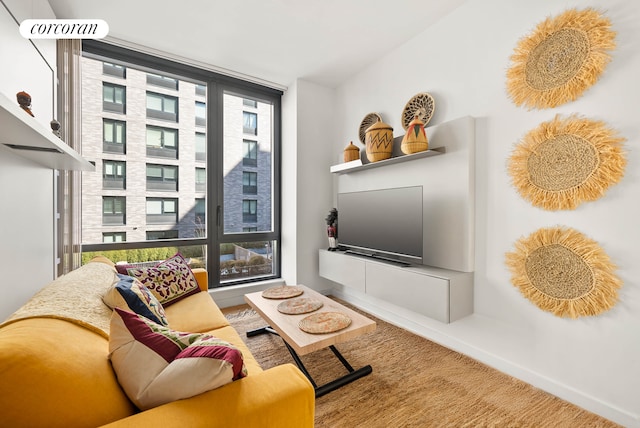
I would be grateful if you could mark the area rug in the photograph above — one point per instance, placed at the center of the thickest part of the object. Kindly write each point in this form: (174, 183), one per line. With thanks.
(415, 383)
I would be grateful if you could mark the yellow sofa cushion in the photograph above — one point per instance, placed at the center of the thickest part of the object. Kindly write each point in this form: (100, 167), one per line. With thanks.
(56, 374)
(281, 397)
(197, 313)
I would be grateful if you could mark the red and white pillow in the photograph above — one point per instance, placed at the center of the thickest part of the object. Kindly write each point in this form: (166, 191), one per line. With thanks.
(156, 365)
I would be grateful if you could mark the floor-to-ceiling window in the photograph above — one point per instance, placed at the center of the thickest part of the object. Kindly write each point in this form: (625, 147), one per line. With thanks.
(198, 174)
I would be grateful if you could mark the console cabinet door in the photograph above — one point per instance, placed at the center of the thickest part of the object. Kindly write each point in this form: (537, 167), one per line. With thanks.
(405, 287)
(348, 271)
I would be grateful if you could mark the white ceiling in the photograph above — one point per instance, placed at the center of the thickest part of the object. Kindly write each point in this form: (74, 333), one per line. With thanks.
(276, 41)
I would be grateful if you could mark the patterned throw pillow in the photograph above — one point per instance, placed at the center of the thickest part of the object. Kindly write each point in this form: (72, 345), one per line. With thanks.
(156, 365)
(170, 280)
(129, 293)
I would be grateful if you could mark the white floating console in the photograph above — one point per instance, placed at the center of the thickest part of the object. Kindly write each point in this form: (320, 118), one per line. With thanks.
(442, 288)
(440, 294)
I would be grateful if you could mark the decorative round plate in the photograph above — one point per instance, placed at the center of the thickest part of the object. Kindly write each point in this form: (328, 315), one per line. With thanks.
(368, 120)
(560, 59)
(564, 272)
(282, 292)
(300, 305)
(421, 105)
(567, 161)
(324, 322)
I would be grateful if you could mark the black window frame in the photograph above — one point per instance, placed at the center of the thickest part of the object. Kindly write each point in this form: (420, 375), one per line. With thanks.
(112, 146)
(250, 156)
(216, 86)
(250, 188)
(112, 105)
(114, 218)
(163, 151)
(115, 70)
(115, 180)
(162, 183)
(162, 114)
(250, 130)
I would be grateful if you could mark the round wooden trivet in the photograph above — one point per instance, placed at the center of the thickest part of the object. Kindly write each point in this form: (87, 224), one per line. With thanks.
(324, 322)
(282, 292)
(300, 305)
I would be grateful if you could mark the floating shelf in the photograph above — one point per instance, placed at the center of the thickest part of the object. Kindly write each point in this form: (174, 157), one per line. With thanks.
(26, 137)
(357, 165)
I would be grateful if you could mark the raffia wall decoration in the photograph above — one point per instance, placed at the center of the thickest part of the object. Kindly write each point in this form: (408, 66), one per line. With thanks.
(560, 59)
(564, 272)
(567, 161)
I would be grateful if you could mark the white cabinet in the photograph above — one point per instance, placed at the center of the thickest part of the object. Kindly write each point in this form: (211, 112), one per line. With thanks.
(441, 294)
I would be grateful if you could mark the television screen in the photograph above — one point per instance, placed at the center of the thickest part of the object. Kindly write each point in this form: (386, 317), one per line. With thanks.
(385, 222)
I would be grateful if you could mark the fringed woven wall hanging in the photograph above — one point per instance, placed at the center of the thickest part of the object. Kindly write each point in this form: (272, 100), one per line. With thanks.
(563, 272)
(560, 59)
(567, 161)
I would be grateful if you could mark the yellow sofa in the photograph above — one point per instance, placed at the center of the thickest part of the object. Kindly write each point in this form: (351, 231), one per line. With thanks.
(55, 372)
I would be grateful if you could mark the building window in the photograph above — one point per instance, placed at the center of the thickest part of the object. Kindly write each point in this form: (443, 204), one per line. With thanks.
(114, 237)
(116, 70)
(162, 142)
(180, 214)
(249, 211)
(160, 106)
(113, 175)
(201, 146)
(162, 234)
(162, 177)
(249, 183)
(114, 98)
(162, 211)
(164, 81)
(201, 179)
(249, 153)
(201, 114)
(113, 210)
(200, 213)
(114, 136)
(249, 103)
(250, 123)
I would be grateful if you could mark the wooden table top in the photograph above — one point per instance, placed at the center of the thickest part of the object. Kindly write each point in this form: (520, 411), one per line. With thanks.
(287, 325)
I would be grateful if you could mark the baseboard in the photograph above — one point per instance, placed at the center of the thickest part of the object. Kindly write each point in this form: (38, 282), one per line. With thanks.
(444, 334)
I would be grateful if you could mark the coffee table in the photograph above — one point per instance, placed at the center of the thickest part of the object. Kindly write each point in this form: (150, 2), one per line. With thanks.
(299, 342)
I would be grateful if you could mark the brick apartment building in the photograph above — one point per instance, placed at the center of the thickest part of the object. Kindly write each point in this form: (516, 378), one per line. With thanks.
(146, 134)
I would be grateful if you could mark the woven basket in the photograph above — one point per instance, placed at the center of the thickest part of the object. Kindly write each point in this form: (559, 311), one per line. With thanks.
(351, 152)
(379, 141)
(415, 140)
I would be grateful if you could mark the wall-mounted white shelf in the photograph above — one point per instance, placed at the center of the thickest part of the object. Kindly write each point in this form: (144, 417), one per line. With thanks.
(24, 136)
(358, 165)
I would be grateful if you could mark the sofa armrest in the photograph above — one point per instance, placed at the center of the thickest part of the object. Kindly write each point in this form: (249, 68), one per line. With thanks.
(202, 277)
(280, 397)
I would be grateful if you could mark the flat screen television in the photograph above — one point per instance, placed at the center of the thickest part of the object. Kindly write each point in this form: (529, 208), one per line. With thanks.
(385, 223)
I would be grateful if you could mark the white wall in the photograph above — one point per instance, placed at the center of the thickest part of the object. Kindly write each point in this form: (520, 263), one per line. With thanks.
(26, 189)
(593, 362)
(308, 117)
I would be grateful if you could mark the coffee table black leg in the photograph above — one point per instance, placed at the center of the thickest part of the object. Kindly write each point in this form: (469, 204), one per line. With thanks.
(329, 386)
